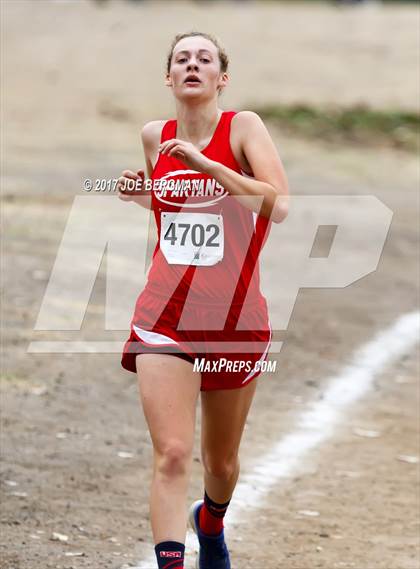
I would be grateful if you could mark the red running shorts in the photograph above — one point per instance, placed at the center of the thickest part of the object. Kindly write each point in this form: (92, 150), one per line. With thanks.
(228, 350)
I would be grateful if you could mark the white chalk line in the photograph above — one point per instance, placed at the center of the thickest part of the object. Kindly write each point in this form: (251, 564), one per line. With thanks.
(316, 424)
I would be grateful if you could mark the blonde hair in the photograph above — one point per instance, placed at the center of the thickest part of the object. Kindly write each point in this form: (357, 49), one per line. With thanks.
(223, 58)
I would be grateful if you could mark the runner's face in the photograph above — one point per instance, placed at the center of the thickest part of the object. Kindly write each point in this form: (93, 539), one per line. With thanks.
(198, 57)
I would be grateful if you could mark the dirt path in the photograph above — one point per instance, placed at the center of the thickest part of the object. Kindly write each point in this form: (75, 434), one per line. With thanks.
(66, 417)
(76, 480)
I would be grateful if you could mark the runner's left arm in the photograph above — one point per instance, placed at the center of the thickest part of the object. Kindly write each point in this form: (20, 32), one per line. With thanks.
(268, 192)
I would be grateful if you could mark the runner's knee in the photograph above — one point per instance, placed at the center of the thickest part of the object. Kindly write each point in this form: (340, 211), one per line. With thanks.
(173, 458)
(223, 469)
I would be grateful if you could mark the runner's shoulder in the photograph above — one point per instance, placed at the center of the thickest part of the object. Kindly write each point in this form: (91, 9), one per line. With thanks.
(245, 125)
(151, 132)
(245, 119)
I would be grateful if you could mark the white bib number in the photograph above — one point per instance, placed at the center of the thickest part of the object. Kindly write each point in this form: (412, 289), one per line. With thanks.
(192, 238)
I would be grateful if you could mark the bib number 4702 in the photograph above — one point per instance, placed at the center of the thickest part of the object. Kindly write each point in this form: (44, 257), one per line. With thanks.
(192, 238)
(199, 234)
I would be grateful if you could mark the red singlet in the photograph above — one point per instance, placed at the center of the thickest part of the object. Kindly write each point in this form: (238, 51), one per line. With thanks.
(203, 286)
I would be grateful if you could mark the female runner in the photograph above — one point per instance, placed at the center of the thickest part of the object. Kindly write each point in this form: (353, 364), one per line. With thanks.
(215, 185)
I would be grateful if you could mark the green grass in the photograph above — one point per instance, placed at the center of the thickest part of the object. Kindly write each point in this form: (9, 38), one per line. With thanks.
(10, 378)
(355, 125)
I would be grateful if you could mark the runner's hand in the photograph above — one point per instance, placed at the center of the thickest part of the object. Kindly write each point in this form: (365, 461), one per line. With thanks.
(129, 184)
(187, 153)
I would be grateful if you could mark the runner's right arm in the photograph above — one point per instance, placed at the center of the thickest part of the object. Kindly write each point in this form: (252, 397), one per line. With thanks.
(150, 137)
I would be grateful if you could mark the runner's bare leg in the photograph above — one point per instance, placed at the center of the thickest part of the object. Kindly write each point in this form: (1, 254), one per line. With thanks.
(168, 390)
(224, 414)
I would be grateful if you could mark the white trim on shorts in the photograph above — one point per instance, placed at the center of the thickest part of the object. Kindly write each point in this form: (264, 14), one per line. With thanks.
(153, 337)
(253, 371)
